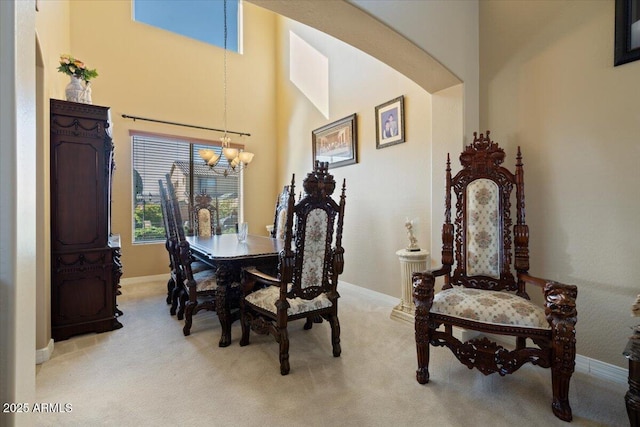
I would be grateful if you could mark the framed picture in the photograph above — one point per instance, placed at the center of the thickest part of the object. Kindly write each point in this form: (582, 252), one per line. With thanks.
(390, 123)
(627, 33)
(336, 143)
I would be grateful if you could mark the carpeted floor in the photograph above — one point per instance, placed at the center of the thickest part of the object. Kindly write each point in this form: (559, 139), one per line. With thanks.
(149, 374)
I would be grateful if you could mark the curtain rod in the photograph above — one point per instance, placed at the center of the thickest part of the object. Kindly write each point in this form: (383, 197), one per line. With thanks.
(125, 116)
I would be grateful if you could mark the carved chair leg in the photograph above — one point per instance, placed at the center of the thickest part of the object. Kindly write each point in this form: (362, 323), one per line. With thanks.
(560, 311)
(183, 298)
(423, 292)
(335, 335)
(422, 347)
(188, 318)
(175, 297)
(283, 339)
(171, 284)
(308, 324)
(560, 381)
(246, 328)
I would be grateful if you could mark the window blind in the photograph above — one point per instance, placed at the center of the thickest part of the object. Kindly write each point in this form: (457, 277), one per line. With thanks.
(154, 156)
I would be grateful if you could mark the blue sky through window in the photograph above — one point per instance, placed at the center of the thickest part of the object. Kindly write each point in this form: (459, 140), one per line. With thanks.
(198, 19)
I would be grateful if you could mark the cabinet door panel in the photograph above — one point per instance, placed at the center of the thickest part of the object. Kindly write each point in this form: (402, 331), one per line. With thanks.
(78, 196)
(83, 298)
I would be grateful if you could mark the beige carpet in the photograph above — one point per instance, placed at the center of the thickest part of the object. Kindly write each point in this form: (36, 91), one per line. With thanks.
(149, 374)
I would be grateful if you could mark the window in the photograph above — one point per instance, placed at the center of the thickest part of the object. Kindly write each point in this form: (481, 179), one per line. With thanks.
(197, 19)
(154, 156)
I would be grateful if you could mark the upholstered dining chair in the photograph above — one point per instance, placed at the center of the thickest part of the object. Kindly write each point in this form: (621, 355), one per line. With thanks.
(280, 217)
(175, 287)
(198, 287)
(306, 286)
(171, 245)
(482, 293)
(205, 216)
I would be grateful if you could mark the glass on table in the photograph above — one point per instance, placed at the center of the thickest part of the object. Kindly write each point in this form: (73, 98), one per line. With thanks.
(243, 229)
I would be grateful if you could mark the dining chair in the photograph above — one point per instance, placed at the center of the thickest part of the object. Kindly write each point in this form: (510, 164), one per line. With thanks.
(280, 217)
(197, 289)
(480, 253)
(205, 216)
(170, 245)
(307, 280)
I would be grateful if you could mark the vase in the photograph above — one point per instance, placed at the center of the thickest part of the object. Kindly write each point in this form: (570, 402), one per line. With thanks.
(74, 90)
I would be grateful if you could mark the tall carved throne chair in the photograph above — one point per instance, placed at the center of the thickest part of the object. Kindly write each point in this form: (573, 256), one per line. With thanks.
(485, 264)
(308, 270)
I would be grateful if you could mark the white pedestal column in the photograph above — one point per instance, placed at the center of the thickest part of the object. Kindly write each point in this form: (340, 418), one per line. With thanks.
(410, 262)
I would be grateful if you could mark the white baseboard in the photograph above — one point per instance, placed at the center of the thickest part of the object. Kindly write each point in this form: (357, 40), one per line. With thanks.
(601, 370)
(144, 279)
(377, 296)
(44, 354)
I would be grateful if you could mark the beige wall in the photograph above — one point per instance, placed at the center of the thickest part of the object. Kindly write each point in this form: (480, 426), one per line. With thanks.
(386, 185)
(148, 72)
(17, 200)
(53, 37)
(448, 31)
(549, 85)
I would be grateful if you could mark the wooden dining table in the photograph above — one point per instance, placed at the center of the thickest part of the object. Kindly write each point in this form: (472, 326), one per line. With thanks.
(227, 255)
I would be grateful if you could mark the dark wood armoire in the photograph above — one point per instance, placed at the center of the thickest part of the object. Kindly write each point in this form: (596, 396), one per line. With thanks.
(85, 256)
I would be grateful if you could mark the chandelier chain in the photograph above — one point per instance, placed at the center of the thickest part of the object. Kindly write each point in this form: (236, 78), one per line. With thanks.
(225, 71)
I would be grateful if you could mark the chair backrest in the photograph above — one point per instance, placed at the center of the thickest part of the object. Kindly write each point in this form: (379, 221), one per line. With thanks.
(183, 248)
(170, 229)
(312, 264)
(204, 216)
(484, 244)
(280, 217)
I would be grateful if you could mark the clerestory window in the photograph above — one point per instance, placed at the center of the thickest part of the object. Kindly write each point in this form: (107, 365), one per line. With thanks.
(197, 19)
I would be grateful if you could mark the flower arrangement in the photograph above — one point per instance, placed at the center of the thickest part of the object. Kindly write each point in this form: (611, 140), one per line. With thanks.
(75, 67)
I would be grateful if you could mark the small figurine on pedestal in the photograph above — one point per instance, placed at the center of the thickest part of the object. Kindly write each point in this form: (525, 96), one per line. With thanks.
(413, 242)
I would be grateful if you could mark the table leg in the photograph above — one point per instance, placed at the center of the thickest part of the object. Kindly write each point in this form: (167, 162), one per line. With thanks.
(224, 314)
(227, 296)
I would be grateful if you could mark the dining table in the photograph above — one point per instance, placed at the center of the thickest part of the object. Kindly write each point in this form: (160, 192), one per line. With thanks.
(228, 256)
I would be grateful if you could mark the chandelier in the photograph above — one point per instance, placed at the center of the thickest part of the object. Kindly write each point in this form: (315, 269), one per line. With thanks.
(236, 159)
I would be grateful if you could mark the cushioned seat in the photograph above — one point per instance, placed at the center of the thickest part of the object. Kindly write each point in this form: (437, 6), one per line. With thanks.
(497, 308)
(266, 299)
(205, 280)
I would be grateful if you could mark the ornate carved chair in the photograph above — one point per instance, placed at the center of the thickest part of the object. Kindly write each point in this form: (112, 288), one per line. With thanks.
(170, 245)
(308, 270)
(280, 217)
(175, 288)
(198, 287)
(205, 217)
(480, 290)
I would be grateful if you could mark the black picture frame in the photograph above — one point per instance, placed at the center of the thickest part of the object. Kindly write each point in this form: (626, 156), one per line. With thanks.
(336, 143)
(389, 133)
(627, 32)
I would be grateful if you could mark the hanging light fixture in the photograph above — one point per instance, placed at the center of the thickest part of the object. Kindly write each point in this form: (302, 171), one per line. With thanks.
(234, 156)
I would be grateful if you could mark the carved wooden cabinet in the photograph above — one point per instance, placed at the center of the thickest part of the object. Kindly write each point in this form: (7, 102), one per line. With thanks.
(85, 257)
